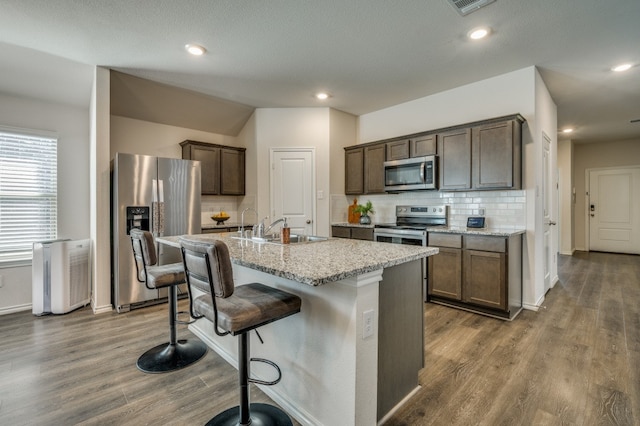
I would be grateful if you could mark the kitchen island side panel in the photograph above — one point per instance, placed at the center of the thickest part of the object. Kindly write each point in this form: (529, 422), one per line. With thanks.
(400, 336)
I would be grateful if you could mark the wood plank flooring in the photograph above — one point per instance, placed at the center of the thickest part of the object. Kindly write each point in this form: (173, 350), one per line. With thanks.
(574, 362)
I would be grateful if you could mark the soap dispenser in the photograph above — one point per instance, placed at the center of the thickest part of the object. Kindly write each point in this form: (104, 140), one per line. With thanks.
(285, 233)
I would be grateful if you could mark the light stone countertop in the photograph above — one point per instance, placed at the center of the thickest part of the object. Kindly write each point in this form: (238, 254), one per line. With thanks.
(491, 232)
(495, 232)
(314, 263)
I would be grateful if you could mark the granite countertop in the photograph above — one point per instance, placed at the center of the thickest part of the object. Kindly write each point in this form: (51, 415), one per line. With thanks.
(476, 231)
(314, 263)
(495, 232)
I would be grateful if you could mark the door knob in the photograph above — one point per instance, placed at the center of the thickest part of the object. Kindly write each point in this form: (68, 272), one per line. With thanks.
(308, 221)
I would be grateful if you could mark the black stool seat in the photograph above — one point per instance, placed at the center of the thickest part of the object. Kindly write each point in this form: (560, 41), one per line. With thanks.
(175, 354)
(236, 310)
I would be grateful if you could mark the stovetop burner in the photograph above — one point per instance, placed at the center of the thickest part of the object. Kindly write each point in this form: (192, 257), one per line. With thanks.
(418, 217)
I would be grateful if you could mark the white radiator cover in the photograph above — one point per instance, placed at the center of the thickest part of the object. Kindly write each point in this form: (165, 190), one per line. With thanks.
(61, 276)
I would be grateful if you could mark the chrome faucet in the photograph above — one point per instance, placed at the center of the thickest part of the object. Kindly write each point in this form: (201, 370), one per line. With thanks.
(282, 219)
(242, 219)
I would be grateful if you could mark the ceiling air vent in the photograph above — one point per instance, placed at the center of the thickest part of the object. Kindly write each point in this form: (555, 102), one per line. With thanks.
(465, 7)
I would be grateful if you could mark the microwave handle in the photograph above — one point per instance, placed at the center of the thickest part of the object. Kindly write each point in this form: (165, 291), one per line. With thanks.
(422, 165)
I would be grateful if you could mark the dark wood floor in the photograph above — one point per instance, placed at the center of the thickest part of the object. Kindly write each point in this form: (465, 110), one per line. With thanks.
(575, 362)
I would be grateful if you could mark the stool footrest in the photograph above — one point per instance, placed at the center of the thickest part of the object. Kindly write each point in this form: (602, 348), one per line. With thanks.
(263, 382)
(187, 322)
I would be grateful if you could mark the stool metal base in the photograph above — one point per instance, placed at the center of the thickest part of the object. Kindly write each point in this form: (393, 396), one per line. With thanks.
(170, 357)
(261, 415)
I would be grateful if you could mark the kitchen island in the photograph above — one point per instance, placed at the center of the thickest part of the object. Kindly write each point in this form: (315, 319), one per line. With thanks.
(353, 352)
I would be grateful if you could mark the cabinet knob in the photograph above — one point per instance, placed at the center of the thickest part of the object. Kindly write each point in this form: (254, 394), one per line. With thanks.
(308, 221)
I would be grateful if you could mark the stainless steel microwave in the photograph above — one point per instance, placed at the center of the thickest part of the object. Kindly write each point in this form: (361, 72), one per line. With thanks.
(411, 174)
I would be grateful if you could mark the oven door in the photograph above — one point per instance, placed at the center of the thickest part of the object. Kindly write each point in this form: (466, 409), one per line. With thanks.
(405, 236)
(400, 236)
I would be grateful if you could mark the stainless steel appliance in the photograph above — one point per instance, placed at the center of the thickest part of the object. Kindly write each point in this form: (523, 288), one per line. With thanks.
(161, 195)
(411, 174)
(411, 227)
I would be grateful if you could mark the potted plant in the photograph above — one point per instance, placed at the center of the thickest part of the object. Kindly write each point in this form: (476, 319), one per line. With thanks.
(365, 210)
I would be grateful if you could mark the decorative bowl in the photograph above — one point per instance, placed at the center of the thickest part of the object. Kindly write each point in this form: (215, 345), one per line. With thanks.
(220, 219)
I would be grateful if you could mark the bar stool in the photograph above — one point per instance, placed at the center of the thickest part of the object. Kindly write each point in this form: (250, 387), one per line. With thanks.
(175, 354)
(236, 311)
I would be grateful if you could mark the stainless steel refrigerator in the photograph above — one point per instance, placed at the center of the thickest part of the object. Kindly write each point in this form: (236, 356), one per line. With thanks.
(161, 195)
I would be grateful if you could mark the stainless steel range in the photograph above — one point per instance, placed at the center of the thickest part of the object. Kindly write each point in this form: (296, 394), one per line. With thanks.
(411, 224)
(411, 228)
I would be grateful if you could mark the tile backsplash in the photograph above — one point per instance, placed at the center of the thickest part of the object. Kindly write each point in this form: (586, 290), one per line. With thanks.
(502, 209)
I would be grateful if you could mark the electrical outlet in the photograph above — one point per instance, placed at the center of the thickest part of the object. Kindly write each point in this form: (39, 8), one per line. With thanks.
(367, 324)
(481, 211)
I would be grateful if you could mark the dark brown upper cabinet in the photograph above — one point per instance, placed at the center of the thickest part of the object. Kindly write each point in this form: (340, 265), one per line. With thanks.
(454, 152)
(222, 167)
(496, 155)
(364, 169)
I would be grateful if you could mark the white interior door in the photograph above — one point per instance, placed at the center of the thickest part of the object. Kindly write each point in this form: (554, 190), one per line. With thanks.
(614, 210)
(547, 191)
(292, 188)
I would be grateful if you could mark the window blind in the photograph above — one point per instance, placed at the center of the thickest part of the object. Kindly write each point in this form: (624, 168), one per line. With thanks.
(28, 194)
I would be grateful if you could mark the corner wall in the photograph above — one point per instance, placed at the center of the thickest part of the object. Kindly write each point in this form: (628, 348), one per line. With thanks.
(71, 125)
(515, 92)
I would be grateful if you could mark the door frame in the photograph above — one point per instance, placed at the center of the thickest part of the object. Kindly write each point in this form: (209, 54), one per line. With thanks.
(311, 150)
(587, 186)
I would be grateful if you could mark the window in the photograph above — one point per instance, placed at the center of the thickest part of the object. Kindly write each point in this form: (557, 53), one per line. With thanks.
(28, 194)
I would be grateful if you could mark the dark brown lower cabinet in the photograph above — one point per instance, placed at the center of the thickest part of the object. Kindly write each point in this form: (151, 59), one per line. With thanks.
(353, 232)
(477, 272)
(484, 279)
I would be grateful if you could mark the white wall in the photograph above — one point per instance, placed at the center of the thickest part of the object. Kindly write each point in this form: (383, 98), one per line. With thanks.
(566, 197)
(133, 136)
(99, 196)
(515, 92)
(301, 128)
(72, 128)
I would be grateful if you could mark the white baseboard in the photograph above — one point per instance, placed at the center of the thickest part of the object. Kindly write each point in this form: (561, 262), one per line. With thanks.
(101, 309)
(17, 308)
(536, 306)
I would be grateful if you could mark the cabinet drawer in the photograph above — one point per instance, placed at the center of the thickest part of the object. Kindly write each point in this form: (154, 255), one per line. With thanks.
(340, 232)
(484, 243)
(362, 234)
(445, 240)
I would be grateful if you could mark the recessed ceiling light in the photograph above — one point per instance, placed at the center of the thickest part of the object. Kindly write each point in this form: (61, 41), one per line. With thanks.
(478, 33)
(567, 130)
(195, 49)
(322, 96)
(621, 67)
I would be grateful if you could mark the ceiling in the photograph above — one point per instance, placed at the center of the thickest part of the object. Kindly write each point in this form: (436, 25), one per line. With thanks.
(368, 54)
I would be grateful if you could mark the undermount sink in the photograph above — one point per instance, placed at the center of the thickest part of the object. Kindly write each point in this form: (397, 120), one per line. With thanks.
(293, 239)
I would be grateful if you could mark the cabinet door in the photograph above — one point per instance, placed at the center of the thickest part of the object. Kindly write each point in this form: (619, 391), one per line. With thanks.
(209, 158)
(374, 156)
(354, 171)
(423, 145)
(362, 234)
(494, 157)
(340, 232)
(231, 172)
(398, 150)
(454, 151)
(445, 274)
(485, 279)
